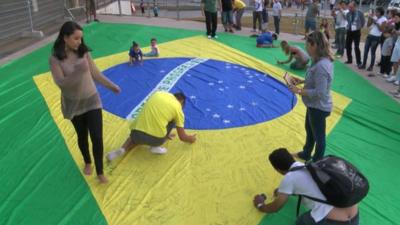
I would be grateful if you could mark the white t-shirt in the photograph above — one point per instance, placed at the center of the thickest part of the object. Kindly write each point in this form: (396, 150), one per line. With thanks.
(301, 182)
(374, 28)
(341, 21)
(276, 8)
(258, 7)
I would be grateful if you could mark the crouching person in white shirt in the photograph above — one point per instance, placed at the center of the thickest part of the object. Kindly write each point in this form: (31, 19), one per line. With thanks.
(300, 182)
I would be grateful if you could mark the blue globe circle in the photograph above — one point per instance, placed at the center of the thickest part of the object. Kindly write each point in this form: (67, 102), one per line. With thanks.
(219, 94)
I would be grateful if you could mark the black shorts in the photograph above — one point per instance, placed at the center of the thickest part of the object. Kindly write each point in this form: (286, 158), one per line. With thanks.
(141, 138)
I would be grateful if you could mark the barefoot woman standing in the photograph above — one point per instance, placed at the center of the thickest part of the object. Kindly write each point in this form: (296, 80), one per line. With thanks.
(75, 73)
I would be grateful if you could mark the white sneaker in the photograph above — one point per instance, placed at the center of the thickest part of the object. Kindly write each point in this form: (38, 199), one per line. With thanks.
(114, 154)
(391, 79)
(380, 74)
(158, 150)
(209, 36)
(397, 82)
(386, 75)
(216, 37)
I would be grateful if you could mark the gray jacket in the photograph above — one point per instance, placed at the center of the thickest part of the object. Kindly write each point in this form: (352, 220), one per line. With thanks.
(317, 84)
(356, 18)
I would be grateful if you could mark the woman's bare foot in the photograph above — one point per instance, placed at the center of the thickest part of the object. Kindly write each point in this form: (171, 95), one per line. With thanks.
(88, 169)
(102, 179)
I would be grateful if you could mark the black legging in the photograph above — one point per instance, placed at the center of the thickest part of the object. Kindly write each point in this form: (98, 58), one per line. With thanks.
(90, 122)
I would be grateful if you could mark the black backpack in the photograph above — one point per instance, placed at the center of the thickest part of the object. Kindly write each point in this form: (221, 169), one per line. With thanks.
(339, 181)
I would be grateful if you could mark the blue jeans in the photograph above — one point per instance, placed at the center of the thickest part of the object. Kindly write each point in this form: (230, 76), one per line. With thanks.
(315, 125)
(227, 18)
(211, 23)
(372, 43)
(306, 219)
(277, 20)
(341, 40)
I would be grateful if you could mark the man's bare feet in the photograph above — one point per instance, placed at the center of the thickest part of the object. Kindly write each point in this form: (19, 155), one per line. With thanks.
(87, 170)
(102, 179)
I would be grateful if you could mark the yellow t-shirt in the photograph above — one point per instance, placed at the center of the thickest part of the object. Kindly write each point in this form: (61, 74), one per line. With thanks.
(238, 4)
(159, 110)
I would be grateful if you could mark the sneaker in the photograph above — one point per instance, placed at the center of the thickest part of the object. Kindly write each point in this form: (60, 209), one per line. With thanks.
(209, 36)
(216, 37)
(158, 150)
(380, 74)
(397, 95)
(386, 75)
(370, 68)
(391, 79)
(361, 67)
(397, 83)
(114, 154)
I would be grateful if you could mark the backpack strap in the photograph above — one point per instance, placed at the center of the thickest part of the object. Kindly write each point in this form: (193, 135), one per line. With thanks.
(305, 196)
(309, 197)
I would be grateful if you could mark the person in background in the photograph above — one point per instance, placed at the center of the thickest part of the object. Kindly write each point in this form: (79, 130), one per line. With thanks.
(324, 28)
(227, 15)
(340, 27)
(257, 15)
(264, 13)
(386, 52)
(294, 52)
(135, 53)
(75, 73)
(238, 8)
(355, 21)
(91, 10)
(277, 14)
(376, 23)
(311, 17)
(209, 9)
(155, 52)
(266, 39)
(395, 58)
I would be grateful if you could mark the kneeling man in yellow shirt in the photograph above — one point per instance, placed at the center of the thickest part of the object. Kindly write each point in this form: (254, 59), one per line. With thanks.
(161, 113)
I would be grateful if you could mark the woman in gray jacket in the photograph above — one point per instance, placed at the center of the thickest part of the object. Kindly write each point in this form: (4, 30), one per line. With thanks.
(316, 94)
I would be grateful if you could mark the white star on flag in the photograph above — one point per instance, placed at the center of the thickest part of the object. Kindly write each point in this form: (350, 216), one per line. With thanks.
(253, 103)
(221, 89)
(242, 109)
(162, 71)
(226, 121)
(192, 97)
(249, 81)
(220, 82)
(230, 106)
(211, 84)
(216, 115)
(208, 109)
(242, 87)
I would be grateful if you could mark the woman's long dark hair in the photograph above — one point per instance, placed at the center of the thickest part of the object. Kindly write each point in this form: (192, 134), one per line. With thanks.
(67, 29)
